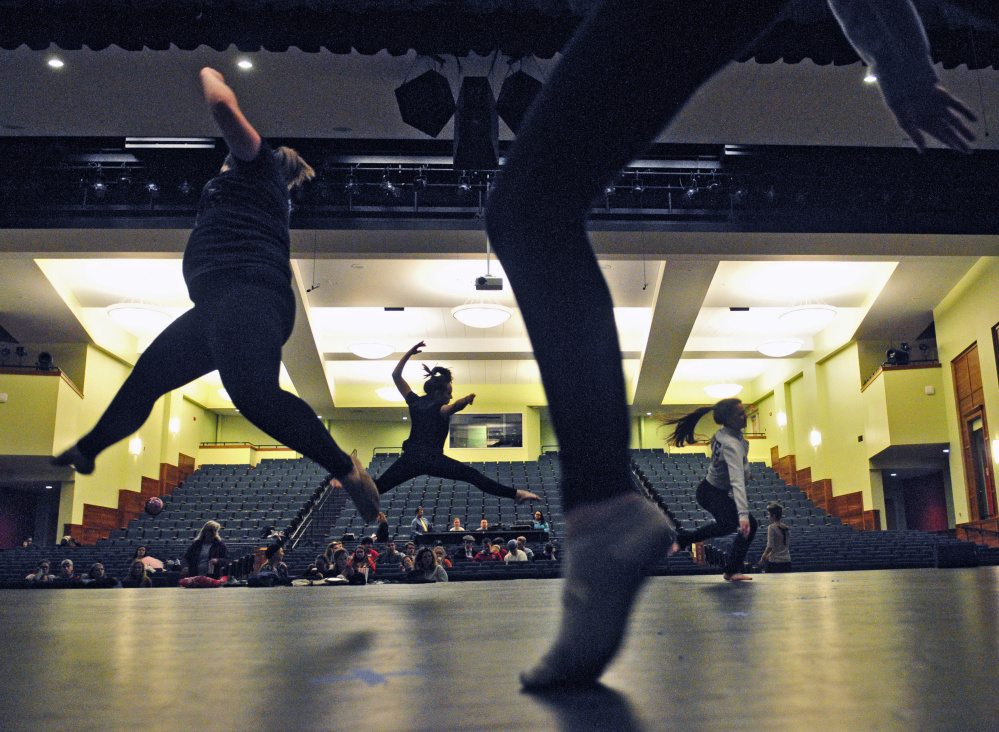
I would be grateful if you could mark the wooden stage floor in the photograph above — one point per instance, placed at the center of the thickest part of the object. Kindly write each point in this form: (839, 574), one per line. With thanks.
(888, 650)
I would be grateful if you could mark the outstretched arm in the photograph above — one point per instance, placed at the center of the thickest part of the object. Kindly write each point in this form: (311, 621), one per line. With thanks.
(239, 135)
(889, 36)
(457, 405)
(400, 383)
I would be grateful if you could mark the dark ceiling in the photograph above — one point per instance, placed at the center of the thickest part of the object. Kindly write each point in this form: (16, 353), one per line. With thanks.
(962, 32)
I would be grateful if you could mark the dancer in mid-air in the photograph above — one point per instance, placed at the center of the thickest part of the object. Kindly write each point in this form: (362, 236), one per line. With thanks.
(429, 417)
(723, 492)
(612, 92)
(238, 273)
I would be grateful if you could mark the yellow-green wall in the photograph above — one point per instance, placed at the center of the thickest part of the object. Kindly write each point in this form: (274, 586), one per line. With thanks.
(964, 317)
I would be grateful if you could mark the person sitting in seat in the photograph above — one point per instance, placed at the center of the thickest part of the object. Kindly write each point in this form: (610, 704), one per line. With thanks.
(320, 569)
(390, 557)
(547, 554)
(514, 554)
(274, 571)
(427, 569)
(487, 554)
(522, 545)
(97, 579)
(466, 552)
(442, 558)
(420, 525)
(41, 574)
(207, 556)
(483, 526)
(66, 577)
(457, 525)
(137, 576)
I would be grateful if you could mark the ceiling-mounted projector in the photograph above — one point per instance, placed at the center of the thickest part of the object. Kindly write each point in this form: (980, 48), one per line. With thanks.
(487, 282)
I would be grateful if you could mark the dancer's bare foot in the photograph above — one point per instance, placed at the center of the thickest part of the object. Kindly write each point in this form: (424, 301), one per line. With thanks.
(673, 549)
(362, 490)
(631, 533)
(525, 496)
(737, 577)
(80, 462)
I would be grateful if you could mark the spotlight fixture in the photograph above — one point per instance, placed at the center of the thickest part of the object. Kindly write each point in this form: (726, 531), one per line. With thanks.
(691, 191)
(20, 352)
(151, 188)
(610, 189)
(481, 314)
(100, 188)
(780, 347)
(4, 354)
(352, 186)
(371, 349)
(388, 187)
(722, 391)
(426, 102)
(44, 361)
(638, 186)
(420, 181)
(185, 188)
(464, 184)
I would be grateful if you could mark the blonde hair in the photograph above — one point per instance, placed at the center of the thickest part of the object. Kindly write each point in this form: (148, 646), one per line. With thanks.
(294, 170)
(213, 526)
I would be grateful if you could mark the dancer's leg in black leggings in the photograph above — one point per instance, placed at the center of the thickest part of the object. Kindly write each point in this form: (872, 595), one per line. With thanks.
(411, 465)
(248, 326)
(720, 505)
(607, 99)
(176, 357)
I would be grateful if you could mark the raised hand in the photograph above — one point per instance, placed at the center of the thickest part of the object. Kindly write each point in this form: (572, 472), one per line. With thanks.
(937, 113)
(417, 348)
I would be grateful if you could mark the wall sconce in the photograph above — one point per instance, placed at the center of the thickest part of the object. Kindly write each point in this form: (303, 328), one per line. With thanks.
(815, 437)
(781, 419)
(175, 425)
(135, 446)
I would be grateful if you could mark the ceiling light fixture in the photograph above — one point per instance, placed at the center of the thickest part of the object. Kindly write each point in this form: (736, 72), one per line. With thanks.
(245, 64)
(780, 347)
(870, 78)
(56, 63)
(722, 391)
(481, 314)
(138, 318)
(810, 317)
(390, 394)
(371, 349)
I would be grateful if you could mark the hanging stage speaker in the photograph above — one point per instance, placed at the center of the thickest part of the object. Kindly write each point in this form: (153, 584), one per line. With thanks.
(426, 102)
(476, 126)
(516, 95)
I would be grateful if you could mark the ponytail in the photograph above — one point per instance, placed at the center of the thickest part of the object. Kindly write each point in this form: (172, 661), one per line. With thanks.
(437, 379)
(683, 432)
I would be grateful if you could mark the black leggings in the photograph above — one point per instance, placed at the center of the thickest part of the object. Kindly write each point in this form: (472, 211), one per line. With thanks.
(720, 505)
(608, 98)
(412, 464)
(238, 329)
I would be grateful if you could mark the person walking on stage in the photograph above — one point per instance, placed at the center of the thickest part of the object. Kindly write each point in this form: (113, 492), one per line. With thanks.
(429, 417)
(777, 556)
(723, 492)
(612, 92)
(238, 273)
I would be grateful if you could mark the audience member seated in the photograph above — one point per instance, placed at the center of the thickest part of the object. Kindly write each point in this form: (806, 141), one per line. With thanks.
(547, 554)
(442, 558)
(487, 554)
(410, 551)
(341, 564)
(332, 549)
(97, 579)
(69, 541)
(513, 554)
(66, 577)
(137, 576)
(407, 563)
(427, 569)
(522, 545)
(466, 552)
(362, 567)
(41, 574)
(152, 563)
(539, 522)
(456, 526)
(420, 525)
(320, 569)
(499, 546)
(207, 556)
(483, 525)
(390, 557)
(274, 571)
(369, 546)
